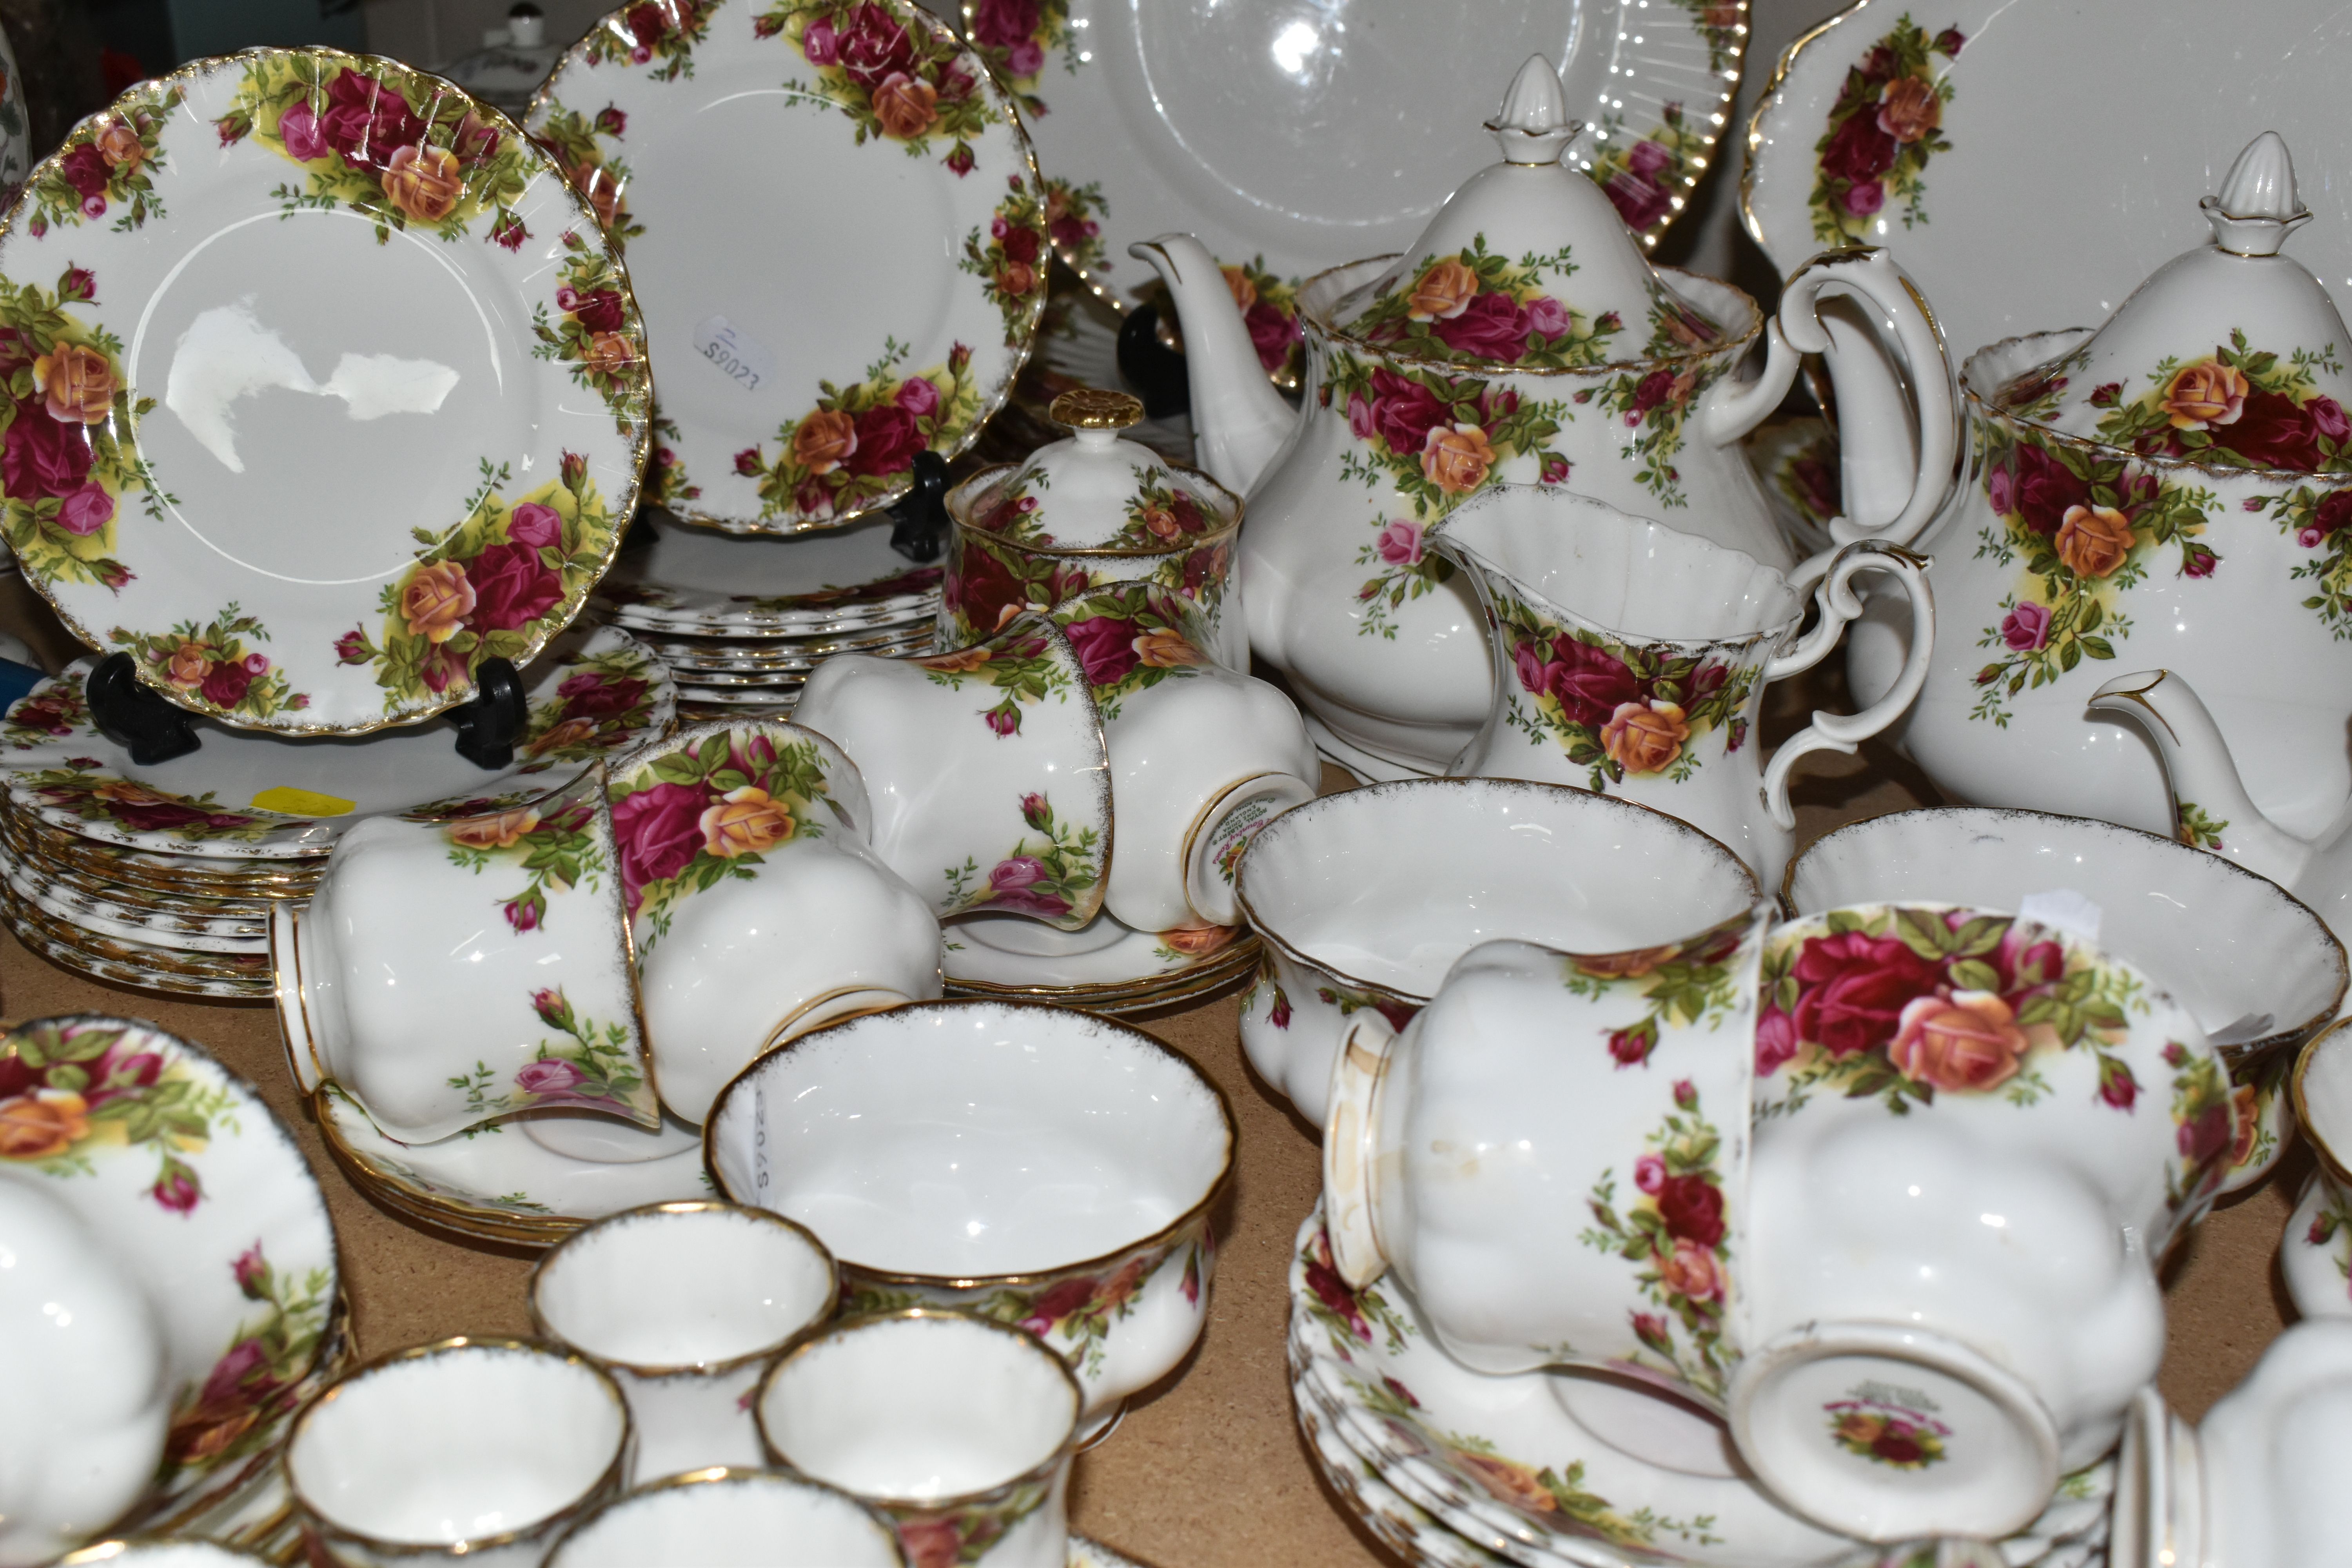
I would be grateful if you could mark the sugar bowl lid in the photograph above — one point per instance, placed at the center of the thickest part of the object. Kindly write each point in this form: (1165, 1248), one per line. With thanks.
(1527, 264)
(2230, 354)
(1097, 490)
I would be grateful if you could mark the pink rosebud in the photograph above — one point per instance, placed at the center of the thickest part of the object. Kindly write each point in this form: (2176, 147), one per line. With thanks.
(1005, 719)
(352, 648)
(252, 1272)
(254, 664)
(1649, 1172)
(747, 462)
(961, 160)
(1686, 1094)
(177, 1189)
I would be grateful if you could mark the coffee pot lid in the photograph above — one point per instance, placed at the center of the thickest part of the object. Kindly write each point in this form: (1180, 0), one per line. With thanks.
(2230, 354)
(1096, 489)
(1528, 265)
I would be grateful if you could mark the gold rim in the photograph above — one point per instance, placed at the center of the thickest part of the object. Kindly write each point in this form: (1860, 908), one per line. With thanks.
(959, 504)
(2334, 1169)
(1764, 104)
(1275, 940)
(726, 1475)
(593, 1495)
(434, 1209)
(624, 500)
(1177, 985)
(1168, 1233)
(551, 1258)
(1035, 1474)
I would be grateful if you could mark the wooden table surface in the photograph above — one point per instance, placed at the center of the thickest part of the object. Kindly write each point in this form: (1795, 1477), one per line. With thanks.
(1208, 1470)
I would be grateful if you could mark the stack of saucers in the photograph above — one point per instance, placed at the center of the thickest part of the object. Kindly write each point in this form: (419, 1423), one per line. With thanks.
(744, 620)
(164, 876)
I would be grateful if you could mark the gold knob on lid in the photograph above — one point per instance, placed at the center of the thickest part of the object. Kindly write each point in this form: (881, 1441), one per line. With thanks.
(1091, 408)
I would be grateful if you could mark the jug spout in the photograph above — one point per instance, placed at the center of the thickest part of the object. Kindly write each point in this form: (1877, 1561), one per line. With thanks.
(1239, 420)
(2212, 808)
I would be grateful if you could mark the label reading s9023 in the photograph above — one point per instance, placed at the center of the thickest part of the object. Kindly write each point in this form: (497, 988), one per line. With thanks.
(733, 354)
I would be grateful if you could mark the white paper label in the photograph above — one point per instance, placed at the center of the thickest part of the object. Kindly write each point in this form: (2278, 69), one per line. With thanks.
(2064, 909)
(733, 352)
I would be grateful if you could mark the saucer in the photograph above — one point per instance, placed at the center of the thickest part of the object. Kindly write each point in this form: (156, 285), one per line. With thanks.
(1550, 1469)
(498, 1182)
(1404, 1528)
(1103, 966)
(249, 798)
(297, 542)
(854, 147)
(155, 928)
(193, 1183)
(2315, 1253)
(225, 977)
(693, 582)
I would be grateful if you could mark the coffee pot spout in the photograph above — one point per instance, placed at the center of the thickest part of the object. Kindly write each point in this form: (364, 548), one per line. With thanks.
(1239, 420)
(2211, 806)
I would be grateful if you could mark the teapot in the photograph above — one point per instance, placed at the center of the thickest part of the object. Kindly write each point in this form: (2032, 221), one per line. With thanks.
(1524, 339)
(2170, 490)
(2211, 806)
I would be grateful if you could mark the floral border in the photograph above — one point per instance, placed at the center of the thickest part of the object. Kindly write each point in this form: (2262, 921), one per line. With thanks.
(1887, 123)
(1485, 309)
(69, 457)
(854, 448)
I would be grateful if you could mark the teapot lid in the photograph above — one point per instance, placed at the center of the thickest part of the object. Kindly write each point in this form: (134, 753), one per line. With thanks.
(1097, 490)
(2230, 354)
(1528, 265)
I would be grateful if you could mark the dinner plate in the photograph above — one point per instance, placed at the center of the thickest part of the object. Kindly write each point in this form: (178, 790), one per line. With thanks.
(194, 1183)
(169, 876)
(103, 917)
(125, 961)
(693, 582)
(1290, 138)
(835, 229)
(248, 796)
(2067, 147)
(324, 386)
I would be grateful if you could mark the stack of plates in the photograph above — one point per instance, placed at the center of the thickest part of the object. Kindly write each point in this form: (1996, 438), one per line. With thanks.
(741, 621)
(163, 876)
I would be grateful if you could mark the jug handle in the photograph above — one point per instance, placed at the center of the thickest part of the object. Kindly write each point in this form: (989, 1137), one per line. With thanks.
(1839, 603)
(1797, 330)
(1351, 1124)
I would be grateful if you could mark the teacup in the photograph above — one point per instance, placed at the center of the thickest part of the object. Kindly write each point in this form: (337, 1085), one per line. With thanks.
(955, 1428)
(730, 1519)
(1201, 757)
(1042, 1166)
(985, 766)
(1365, 898)
(89, 1394)
(756, 906)
(478, 1451)
(2259, 1482)
(1921, 1288)
(1632, 659)
(683, 1304)
(447, 973)
(2320, 1087)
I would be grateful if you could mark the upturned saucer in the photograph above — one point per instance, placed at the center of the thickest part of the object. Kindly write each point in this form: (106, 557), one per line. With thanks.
(1103, 966)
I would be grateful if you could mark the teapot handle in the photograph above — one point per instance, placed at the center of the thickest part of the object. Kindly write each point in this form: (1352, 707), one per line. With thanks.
(1798, 328)
(1349, 1130)
(1839, 603)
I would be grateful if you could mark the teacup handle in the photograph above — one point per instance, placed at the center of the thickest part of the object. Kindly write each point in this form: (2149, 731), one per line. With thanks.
(1839, 603)
(1350, 1126)
(1798, 328)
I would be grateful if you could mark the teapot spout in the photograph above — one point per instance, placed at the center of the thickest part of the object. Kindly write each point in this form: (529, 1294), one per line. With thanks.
(2211, 806)
(1239, 420)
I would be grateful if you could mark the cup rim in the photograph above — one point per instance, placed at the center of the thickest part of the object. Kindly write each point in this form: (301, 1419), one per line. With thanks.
(1282, 944)
(605, 1481)
(2303, 1031)
(1210, 1195)
(721, 1475)
(2337, 1171)
(548, 1332)
(865, 1320)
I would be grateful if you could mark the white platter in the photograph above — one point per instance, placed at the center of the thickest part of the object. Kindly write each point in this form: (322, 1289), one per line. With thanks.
(324, 386)
(2075, 139)
(820, 202)
(1292, 139)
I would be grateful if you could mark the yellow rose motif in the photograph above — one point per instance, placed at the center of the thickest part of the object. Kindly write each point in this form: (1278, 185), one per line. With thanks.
(571, 732)
(600, 188)
(122, 792)
(964, 661)
(1162, 522)
(1456, 457)
(120, 146)
(1506, 1482)
(1443, 292)
(1626, 965)
(42, 1125)
(2204, 395)
(1197, 941)
(423, 183)
(496, 832)
(1910, 110)
(1644, 737)
(189, 664)
(1165, 650)
(1244, 292)
(77, 383)
(906, 105)
(2093, 541)
(1860, 1428)
(823, 439)
(746, 821)
(436, 600)
(609, 353)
